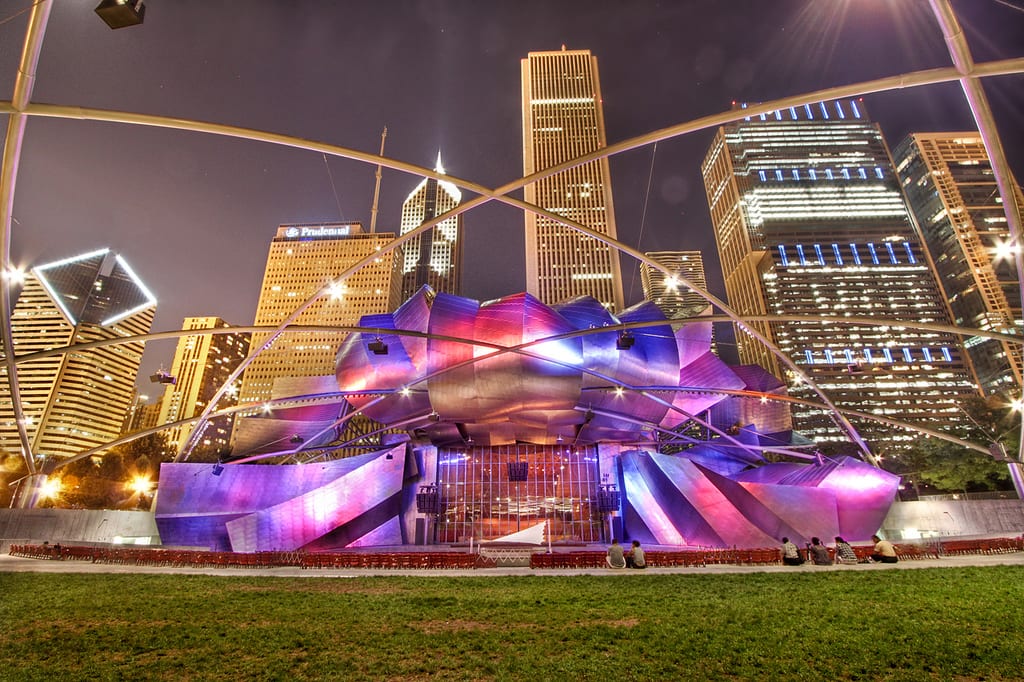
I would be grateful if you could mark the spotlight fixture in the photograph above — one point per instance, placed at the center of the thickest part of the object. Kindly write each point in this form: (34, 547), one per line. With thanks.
(296, 439)
(121, 13)
(999, 453)
(162, 377)
(625, 341)
(377, 347)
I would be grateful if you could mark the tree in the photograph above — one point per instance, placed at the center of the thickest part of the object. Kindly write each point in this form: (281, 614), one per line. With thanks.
(948, 467)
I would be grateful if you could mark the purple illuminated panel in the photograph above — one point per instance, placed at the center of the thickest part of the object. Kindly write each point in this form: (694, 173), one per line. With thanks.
(254, 508)
(304, 518)
(671, 495)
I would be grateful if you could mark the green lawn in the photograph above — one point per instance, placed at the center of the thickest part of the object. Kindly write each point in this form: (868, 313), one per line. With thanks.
(942, 624)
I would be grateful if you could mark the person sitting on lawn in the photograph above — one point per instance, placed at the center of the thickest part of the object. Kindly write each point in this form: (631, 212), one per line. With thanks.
(635, 558)
(844, 553)
(819, 553)
(790, 553)
(884, 552)
(616, 556)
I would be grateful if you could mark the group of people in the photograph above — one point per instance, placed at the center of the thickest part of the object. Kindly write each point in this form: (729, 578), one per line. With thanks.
(883, 552)
(817, 553)
(618, 557)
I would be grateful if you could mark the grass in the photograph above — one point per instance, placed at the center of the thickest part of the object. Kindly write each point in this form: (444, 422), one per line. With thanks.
(941, 624)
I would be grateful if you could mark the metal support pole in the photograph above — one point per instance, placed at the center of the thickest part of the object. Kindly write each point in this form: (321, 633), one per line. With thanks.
(23, 85)
(960, 53)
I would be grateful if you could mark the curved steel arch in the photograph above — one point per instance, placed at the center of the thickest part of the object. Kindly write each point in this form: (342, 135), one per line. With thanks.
(349, 329)
(965, 71)
(498, 350)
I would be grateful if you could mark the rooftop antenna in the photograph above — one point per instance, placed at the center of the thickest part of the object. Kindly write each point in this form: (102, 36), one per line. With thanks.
(376, 189)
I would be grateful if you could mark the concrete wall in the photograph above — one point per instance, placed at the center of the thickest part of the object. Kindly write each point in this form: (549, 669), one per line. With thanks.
(35, 526)
(927, 519)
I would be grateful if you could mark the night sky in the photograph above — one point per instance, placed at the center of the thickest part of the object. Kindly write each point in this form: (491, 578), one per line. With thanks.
(194, 214)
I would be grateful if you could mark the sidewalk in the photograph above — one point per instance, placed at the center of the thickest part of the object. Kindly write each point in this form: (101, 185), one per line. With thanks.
(9, 564)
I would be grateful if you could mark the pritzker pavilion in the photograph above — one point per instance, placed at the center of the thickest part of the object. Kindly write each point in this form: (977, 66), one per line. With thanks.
(512, 419)
(529, 416)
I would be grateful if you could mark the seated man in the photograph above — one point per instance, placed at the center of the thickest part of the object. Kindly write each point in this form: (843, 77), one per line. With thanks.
(616, 558)
(636, 558)
(884, 551)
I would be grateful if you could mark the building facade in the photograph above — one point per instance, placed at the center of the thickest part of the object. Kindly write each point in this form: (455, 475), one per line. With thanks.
(434, 257)
(202, 363)
(141, 414)
(673, 297)
(810, 221)
(563, 118)
(303, 259)
(77, 401)
(948, 181)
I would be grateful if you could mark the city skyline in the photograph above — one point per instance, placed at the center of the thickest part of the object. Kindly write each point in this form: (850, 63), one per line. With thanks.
(231, 194)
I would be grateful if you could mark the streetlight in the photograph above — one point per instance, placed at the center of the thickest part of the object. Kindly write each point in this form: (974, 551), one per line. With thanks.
(140, 485)
(50, 488)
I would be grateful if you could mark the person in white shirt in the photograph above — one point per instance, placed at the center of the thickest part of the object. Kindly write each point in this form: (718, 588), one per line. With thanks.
(884, 551)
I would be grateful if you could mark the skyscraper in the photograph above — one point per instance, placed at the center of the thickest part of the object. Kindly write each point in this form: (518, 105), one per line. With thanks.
(77, 401)
(668, 293)
(303, 259)
(434, 257)
(948, 181)
(201, 365)
(141, 415)
(810, 221)
(563, 118)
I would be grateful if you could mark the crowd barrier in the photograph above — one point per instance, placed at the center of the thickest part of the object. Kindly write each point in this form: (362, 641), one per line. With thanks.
(151, 556)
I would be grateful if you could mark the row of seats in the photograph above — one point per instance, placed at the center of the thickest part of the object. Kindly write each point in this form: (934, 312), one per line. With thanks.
(592, 559)
(984, 546)
(148, 556)
(387, 560)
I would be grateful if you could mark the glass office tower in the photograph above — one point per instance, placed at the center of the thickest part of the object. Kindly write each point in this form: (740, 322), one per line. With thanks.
(810, 222)
(949, 185)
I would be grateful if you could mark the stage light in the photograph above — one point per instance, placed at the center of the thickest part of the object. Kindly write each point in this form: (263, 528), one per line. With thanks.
(296, 439)
(377, 347)
(625, 341)
(121, 13)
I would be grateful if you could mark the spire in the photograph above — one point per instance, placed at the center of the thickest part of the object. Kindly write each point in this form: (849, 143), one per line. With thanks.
(439, 168)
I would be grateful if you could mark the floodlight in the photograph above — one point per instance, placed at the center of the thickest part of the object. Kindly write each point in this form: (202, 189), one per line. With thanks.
(121, 13)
